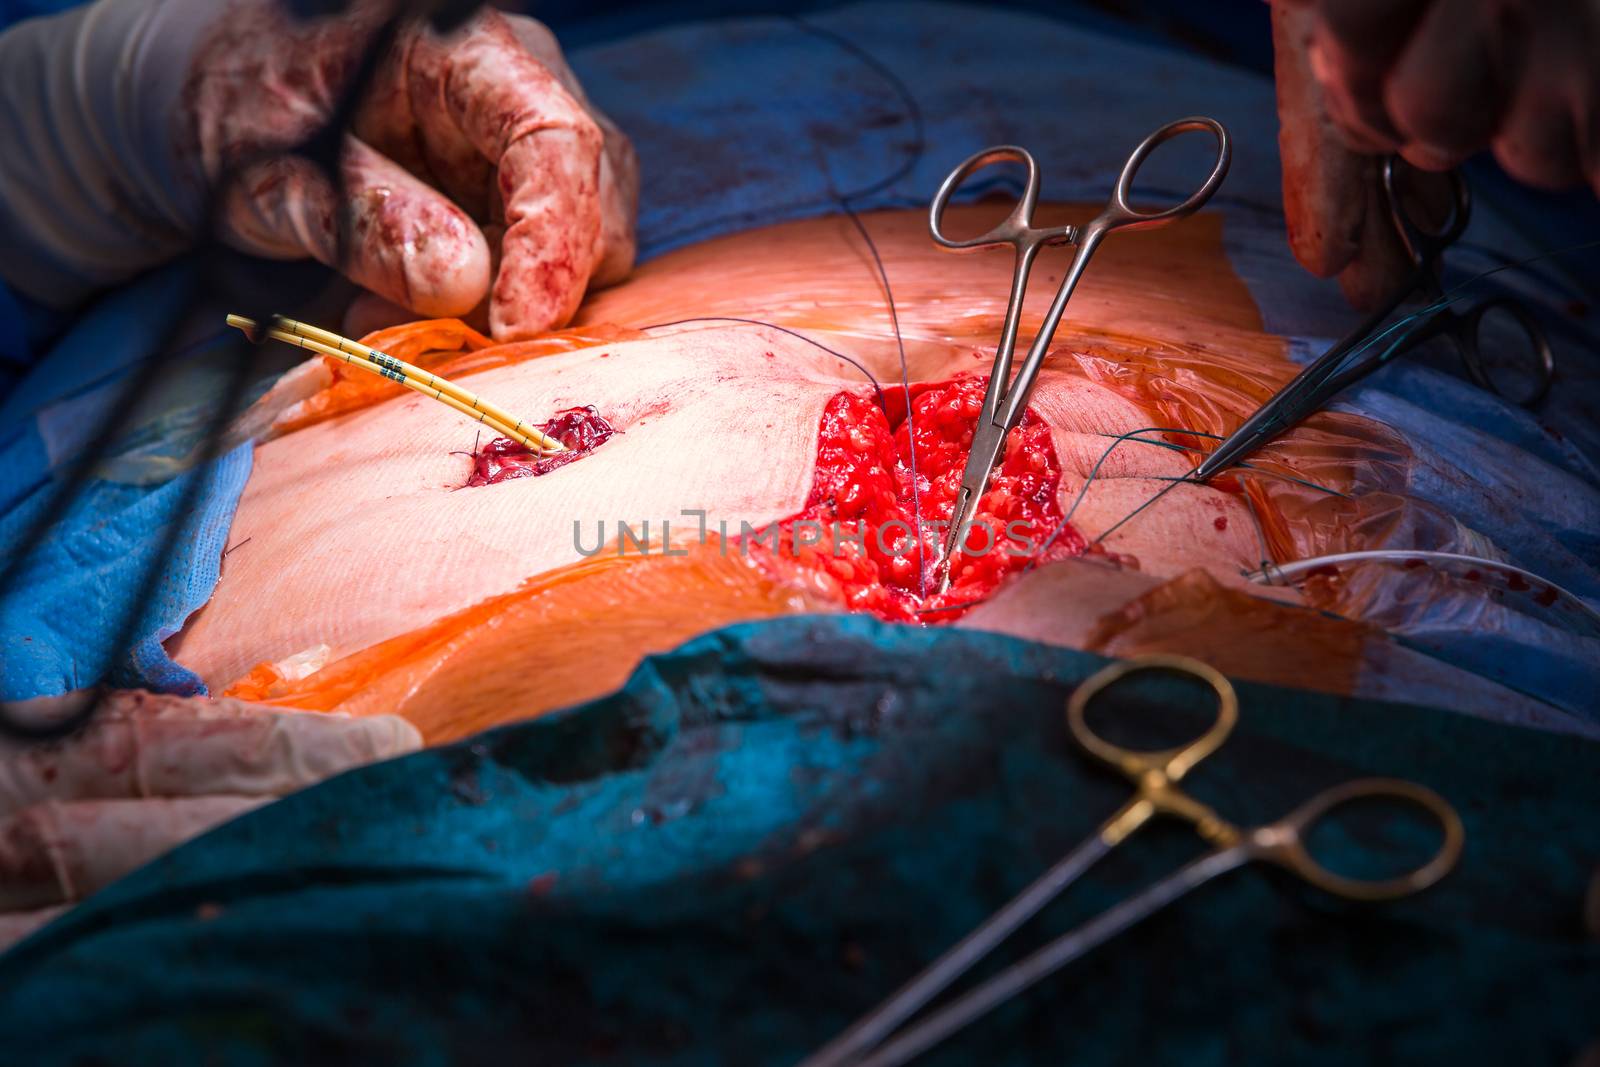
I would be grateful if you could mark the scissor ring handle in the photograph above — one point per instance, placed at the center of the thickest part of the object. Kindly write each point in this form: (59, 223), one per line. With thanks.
(1283, 842)
(1423, 244)
(1544, 359)
(1017, 227)
(1121, 213)
(1172, 762)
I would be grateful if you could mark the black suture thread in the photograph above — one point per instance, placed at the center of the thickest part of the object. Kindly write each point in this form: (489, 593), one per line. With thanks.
(908, 100)
(905, 387)
(882, 403)
(913, 156)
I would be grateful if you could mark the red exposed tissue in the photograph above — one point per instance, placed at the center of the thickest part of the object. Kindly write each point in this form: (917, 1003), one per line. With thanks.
(857, 529)
(580, 431)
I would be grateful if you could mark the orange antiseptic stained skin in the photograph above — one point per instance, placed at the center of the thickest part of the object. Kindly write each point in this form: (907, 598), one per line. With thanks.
(1235, 632)
(1169, 284)
(1160, 333)
(1120, 612)
(566, 636)
(1167, 292)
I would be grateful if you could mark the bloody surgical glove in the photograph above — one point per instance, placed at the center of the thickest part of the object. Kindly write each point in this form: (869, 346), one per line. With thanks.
(468, 150)
(147, 773)
(1332, 202)
(1435, 81)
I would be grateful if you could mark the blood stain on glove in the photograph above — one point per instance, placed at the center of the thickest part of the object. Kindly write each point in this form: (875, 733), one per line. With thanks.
(456, 136)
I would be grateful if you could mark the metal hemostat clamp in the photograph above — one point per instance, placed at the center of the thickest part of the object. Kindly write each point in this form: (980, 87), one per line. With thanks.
(1373, 345)
(1005, 400)
(873, 1042)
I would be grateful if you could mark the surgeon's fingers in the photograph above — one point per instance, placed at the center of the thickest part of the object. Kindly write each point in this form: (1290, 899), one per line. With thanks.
(406, 241)
(1538, 144)
(547, 151)
(546, 260)
(1381, 267)
(1551, 121)
(619, 165)
(1324, 198)
(495, 117)
(406, 115)
(55, 853)
(1356, 44)
(145, 745)
(1450, 86)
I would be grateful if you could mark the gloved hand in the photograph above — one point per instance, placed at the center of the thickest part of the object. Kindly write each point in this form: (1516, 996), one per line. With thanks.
(1435, 81)
(147, 773)
(123, 113)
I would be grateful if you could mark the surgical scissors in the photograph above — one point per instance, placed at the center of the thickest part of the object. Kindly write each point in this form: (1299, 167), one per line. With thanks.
(1155, 775)
(1360, 352)
(1005, 401)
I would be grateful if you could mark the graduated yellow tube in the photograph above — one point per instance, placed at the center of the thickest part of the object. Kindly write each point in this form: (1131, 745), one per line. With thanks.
(302, 335)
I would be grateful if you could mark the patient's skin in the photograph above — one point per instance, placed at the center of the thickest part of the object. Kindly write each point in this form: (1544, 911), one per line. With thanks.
(353, 531)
